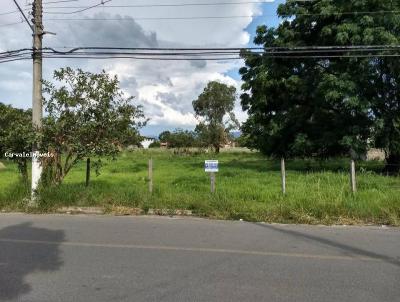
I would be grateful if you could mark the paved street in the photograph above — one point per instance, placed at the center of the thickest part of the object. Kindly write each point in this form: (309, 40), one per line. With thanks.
(94, 258)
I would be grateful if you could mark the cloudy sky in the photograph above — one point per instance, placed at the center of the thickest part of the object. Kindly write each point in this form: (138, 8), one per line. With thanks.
(166, 89)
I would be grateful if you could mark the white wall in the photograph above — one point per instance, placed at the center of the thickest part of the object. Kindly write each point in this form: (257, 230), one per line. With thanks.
(146, 143)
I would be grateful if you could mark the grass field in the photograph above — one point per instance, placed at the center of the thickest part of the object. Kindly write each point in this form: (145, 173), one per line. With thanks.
(248, 187)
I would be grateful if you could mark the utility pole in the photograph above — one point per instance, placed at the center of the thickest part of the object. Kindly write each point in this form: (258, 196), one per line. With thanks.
(37, 110)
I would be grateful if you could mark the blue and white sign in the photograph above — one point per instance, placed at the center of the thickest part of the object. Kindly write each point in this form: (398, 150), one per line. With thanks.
(211, 166)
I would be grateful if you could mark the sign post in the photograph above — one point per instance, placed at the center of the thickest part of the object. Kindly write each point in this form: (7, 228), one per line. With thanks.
(151, 175)
(211, 166)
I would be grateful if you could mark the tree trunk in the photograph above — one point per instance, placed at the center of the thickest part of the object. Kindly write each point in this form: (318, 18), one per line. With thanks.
(217, 147)
(392, 164)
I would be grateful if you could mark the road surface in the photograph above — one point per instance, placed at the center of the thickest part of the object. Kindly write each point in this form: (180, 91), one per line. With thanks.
(103, 258)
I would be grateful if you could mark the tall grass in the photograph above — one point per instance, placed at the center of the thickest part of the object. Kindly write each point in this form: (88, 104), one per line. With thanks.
(248, 187)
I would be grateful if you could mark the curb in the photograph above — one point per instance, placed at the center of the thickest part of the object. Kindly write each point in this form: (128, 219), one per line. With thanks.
(122, 211)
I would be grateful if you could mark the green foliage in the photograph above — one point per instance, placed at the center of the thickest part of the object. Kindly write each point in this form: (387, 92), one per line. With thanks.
(325, 106)
(16, 135)
(215, 103)
(178, 139)
(241, 141)
(155, 144)
(87, 116)
(164, 136)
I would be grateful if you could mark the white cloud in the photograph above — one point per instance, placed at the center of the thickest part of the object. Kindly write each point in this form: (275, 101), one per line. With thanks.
(166, 89)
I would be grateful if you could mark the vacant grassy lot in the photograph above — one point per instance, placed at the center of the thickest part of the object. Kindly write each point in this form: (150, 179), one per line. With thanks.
(248, 187)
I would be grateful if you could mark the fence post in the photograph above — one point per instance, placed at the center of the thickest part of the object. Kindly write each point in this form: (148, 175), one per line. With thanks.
(87, 172)
(283, 175)
(212, 178)
(353, 176)
(151, 175)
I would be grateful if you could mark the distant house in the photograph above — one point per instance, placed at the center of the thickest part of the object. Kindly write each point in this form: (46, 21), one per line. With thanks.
(229, 144)
(147, 142)
(164, 145)
(376, 154)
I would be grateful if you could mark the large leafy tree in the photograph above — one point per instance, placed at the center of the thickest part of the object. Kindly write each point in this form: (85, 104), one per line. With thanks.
(87, 116)
(215, 108)
(324, 104)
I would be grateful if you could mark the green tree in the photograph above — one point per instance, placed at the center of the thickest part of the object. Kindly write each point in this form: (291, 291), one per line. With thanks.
(16, 136)
(164, 136)
(178, 139)
(87, 116)
(213, 105)
(324, 105)
(181, 139)
(155, 144)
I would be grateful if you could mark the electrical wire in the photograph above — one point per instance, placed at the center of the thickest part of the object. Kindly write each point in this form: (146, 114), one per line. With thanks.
(154, 5)
(90, 7)
(149, 18)
(208, 54)
(9, 24)
(23, 15)
(60, 1)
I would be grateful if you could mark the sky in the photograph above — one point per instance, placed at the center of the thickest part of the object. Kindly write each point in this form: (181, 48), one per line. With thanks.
(165, 89)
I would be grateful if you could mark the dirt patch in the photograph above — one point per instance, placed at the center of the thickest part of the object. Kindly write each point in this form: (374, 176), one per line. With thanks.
(125, 211)
(81, 210)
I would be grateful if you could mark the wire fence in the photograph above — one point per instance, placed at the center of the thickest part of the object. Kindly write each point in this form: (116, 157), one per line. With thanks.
(368, 170)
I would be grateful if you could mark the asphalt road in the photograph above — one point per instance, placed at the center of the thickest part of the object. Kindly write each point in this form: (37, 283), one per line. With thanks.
(94, 258)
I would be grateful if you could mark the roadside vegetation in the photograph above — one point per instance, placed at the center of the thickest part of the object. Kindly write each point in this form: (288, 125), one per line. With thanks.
(325, 84)
(248, 187)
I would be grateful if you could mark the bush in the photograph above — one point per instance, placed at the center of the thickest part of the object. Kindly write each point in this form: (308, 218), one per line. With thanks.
(155, 144)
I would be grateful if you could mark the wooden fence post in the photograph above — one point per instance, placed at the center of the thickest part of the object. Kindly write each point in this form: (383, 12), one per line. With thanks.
(212, 178)
(283, 175)
(151, 175)
(353, 183)
(87, 172)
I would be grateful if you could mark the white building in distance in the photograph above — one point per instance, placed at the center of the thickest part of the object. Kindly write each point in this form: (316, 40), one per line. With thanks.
(147, 142)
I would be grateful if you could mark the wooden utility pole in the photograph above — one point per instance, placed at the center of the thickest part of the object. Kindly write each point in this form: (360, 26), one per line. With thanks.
(37, 111)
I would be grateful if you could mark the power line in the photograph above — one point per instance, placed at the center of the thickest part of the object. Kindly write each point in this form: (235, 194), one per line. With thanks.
(203, 49)
(89, 7)
(23, 14)
(217, 51)
(104, 57)
(295, 49)
(60, 1)
(148, 18)
(101, 5)
(158, 5)
(208, 54)
(9, 24)
(84, 8)
(17, 59)
(12, 12)
(210, 17)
